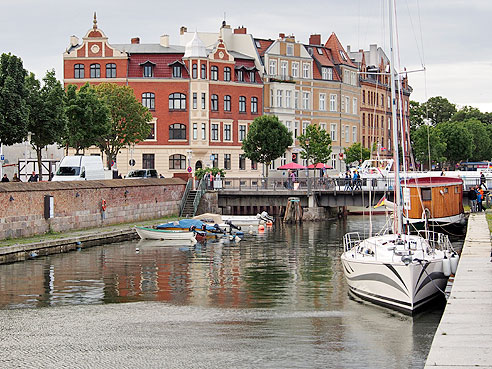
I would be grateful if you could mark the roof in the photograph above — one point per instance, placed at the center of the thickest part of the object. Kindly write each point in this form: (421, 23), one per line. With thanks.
(264, 45)
(149, 48)
(339, 54)
(432, 181)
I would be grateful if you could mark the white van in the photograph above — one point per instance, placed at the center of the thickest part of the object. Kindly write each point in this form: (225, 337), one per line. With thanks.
(79, 168)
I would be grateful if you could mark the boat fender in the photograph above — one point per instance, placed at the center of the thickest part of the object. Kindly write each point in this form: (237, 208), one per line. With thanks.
(446, 266)
(103, 205)
(454, 262)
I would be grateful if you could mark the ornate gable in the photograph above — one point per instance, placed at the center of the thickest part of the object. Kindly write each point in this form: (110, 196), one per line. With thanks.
(220, 52)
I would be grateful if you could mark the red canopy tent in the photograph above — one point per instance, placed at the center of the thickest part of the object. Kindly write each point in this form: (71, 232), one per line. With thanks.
(292, 165)
(319, 166)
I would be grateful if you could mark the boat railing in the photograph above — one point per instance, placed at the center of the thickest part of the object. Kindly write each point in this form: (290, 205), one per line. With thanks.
(437, 241)
(351, 240)
(187, 190)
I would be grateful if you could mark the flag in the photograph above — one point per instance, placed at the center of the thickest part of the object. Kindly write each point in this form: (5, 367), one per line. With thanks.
(380, 202)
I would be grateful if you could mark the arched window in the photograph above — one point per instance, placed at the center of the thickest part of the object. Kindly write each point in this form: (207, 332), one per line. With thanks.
(227, 74)
(95, 71)
(242, 104)
(214, 73)
(177, 101)
(111, 70)
(254, 105)
(214, 106)
(227, 103)
(148, 100)
(177, 161)
(194, 72)
(177, 131)
(78, 71)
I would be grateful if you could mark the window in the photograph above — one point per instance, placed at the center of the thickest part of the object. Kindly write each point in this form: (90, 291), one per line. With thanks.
(322, 102)
(322, 126)
(346, 76)
(333, 131)
(305, 100)
(296, 129)
(242, 162)
(271, 97)
(288, 97)
(342, 102)
(95, 71)
(389, 101)
(342, 54)
(177, 101)
(177, 161)
(151, 135)
(148, 70)
(273, 68)
(333, 102)
(334, 161)
(111, 70)
(252, 76)
(254, 165)
(283, 69)
(176, 71)
(347, 103)
(203, 68)
(194, 71)
(195, 100)
(240, 76)
(204, 131)
(227, 132)
(227, 103)
(214, 73)
(215, 132)
(215, 162)
(354, 105)
(148, 161)
(78, 71)
(242, 132)
(214, 103)
(426, 194)
(290, 50)
(227, 74)
(258, 44)
(279, 98)
(177, 131)
(353, 78)
(347, 136)
(148, 100)
(304, 127)
(288, 125)
(305, 70)
(227, 161)
(254, 105)
(354, 134)
(326, 73)
(296, 99)
(295, 69)
(195, 131)
(204, 100)
(242, 104)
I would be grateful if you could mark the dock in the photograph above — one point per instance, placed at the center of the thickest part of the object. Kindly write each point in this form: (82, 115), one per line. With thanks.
(464, 336)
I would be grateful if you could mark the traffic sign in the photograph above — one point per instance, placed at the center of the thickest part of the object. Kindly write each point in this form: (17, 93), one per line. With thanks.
(212, 157)
(132, 162)
(2, 157)
(189, 169)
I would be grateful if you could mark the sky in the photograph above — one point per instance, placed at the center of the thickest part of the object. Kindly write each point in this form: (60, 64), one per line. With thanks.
(451, 38)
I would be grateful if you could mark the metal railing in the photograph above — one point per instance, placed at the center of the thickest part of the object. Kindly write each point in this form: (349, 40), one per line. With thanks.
(201, 189)
(187, 190)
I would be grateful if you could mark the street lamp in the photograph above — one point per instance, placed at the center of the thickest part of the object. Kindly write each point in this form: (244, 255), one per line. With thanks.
(189, 154)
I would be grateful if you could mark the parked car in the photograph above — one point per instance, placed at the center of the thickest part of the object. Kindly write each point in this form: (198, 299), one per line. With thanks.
(142, 173)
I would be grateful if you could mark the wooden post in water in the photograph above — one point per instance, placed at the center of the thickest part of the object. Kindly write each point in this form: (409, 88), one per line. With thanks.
(293, 213)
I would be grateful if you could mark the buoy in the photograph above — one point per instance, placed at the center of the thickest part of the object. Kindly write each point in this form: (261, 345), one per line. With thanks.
(446, 266)
(454, 262)
(261, 227)
(269, 224)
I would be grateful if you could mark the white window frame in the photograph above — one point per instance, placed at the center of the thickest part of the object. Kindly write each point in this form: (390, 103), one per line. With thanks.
(305, 100)
(289, 50)
(295, 69)
(296, 129)
(283, 69)
(288, 124)
(224, 135)
(204, 131)
(305, 70)
(333, 131)
(240, 134)
(304, 127)
(347, 104)
(288, 98)
(354, 134)
(347, 133)
(212, 138)
(296, 99)
(333, 102)
(195, 131)
(279, 98)
(322, 101)
(354, 105)
(322, 126)
(272, 67)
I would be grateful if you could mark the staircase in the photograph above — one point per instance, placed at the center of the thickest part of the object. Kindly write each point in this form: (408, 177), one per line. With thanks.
(188, 210)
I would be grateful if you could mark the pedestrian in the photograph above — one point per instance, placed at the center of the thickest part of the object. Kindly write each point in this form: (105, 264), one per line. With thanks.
(356, 183)
(5, 178)
(479, 199)
(472, 198)
(15, 178)
(483, 181)
(34, 177)
(348, 186)
(293, 179)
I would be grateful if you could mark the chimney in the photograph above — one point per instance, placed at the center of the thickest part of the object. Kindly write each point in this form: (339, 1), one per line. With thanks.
(281, 35)
(290, 38)
(135, 40)
(315, 39)
(165, 40)
(348, 49)
(183, 30)
(240, 30)
(74, 40)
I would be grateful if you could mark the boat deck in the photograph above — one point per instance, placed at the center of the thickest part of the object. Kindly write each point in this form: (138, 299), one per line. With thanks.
(464, 338)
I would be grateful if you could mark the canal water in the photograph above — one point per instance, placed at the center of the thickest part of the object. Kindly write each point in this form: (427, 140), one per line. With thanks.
(278, 299)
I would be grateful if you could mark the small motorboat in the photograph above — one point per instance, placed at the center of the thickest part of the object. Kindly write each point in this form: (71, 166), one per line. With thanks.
(165, 234)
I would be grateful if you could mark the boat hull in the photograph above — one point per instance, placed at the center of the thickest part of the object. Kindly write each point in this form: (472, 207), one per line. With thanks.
(158, 234)
(406, 288)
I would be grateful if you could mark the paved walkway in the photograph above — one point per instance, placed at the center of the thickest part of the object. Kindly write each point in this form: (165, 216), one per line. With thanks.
(464, 336)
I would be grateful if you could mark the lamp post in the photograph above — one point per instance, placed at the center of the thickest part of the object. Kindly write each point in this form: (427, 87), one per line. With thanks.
(189, 154)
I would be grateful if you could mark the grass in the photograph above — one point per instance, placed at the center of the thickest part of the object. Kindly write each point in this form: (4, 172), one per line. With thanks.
(488, 216)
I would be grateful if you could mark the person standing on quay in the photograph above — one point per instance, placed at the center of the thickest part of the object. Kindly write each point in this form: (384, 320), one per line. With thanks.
(33, 178)
(472, 197)
(15, 178)
(5, 178)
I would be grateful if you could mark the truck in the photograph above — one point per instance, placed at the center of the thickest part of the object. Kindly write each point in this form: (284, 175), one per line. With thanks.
(80, 168)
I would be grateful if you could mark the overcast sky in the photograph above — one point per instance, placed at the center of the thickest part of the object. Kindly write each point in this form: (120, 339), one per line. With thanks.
(450, 37)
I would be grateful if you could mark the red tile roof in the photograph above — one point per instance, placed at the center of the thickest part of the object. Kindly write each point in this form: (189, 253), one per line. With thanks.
(265, 44)
(339, 54)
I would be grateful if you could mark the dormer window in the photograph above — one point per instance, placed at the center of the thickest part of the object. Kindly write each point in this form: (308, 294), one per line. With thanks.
(342, 54)
(177, 71)
(327, 73)
(252, 76)
(258, 44)
(290, 50)
(240, 76)
(148, 69)
(320, 50)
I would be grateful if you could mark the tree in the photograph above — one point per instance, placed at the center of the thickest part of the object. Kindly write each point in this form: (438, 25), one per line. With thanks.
(129, 119)
(200, 173)
(481, 139)
(438, 109)
(316, 145)
(355, 153)
(47, 121)
(14, 112)
(427, 139)
(417, 115)
(87, 118)
(459, 141)
(468, 112)
(267, 140)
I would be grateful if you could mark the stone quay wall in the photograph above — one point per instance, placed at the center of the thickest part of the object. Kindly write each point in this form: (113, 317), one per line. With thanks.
(79, 204)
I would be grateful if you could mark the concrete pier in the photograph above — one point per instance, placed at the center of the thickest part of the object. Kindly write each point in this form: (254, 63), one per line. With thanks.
(464, 336)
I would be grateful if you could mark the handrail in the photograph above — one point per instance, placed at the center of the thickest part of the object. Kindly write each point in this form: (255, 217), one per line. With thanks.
(185, 196)
(201, 189)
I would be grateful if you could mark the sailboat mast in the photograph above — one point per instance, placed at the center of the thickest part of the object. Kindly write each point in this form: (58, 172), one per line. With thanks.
(394, 125)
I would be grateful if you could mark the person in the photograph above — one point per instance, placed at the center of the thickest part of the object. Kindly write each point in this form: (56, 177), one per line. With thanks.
(15, 178)
(479, 198)
(348, 186)
(472, 197)
(483, 180)
(5, 178)
(357, 184)
(293, 178)
(33, 178)
(161, 176)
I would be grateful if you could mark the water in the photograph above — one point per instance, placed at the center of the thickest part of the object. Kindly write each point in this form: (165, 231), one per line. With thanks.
(276, 300)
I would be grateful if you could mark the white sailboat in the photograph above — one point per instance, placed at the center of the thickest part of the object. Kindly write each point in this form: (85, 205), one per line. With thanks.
(398, 270)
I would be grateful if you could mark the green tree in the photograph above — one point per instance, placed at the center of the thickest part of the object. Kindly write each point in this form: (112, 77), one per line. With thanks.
(459, 141)
(481, 139)
(417, 115)
(200, 173)
(356, 153)
(47, 121)
(14, 112)
(316, 145)
(438, 109)
(267, 140)
(468, 112)
(87, 118)
(129, 119)
(428, 138)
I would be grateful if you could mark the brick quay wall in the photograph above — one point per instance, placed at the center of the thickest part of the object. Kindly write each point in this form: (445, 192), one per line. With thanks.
(79, 204)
